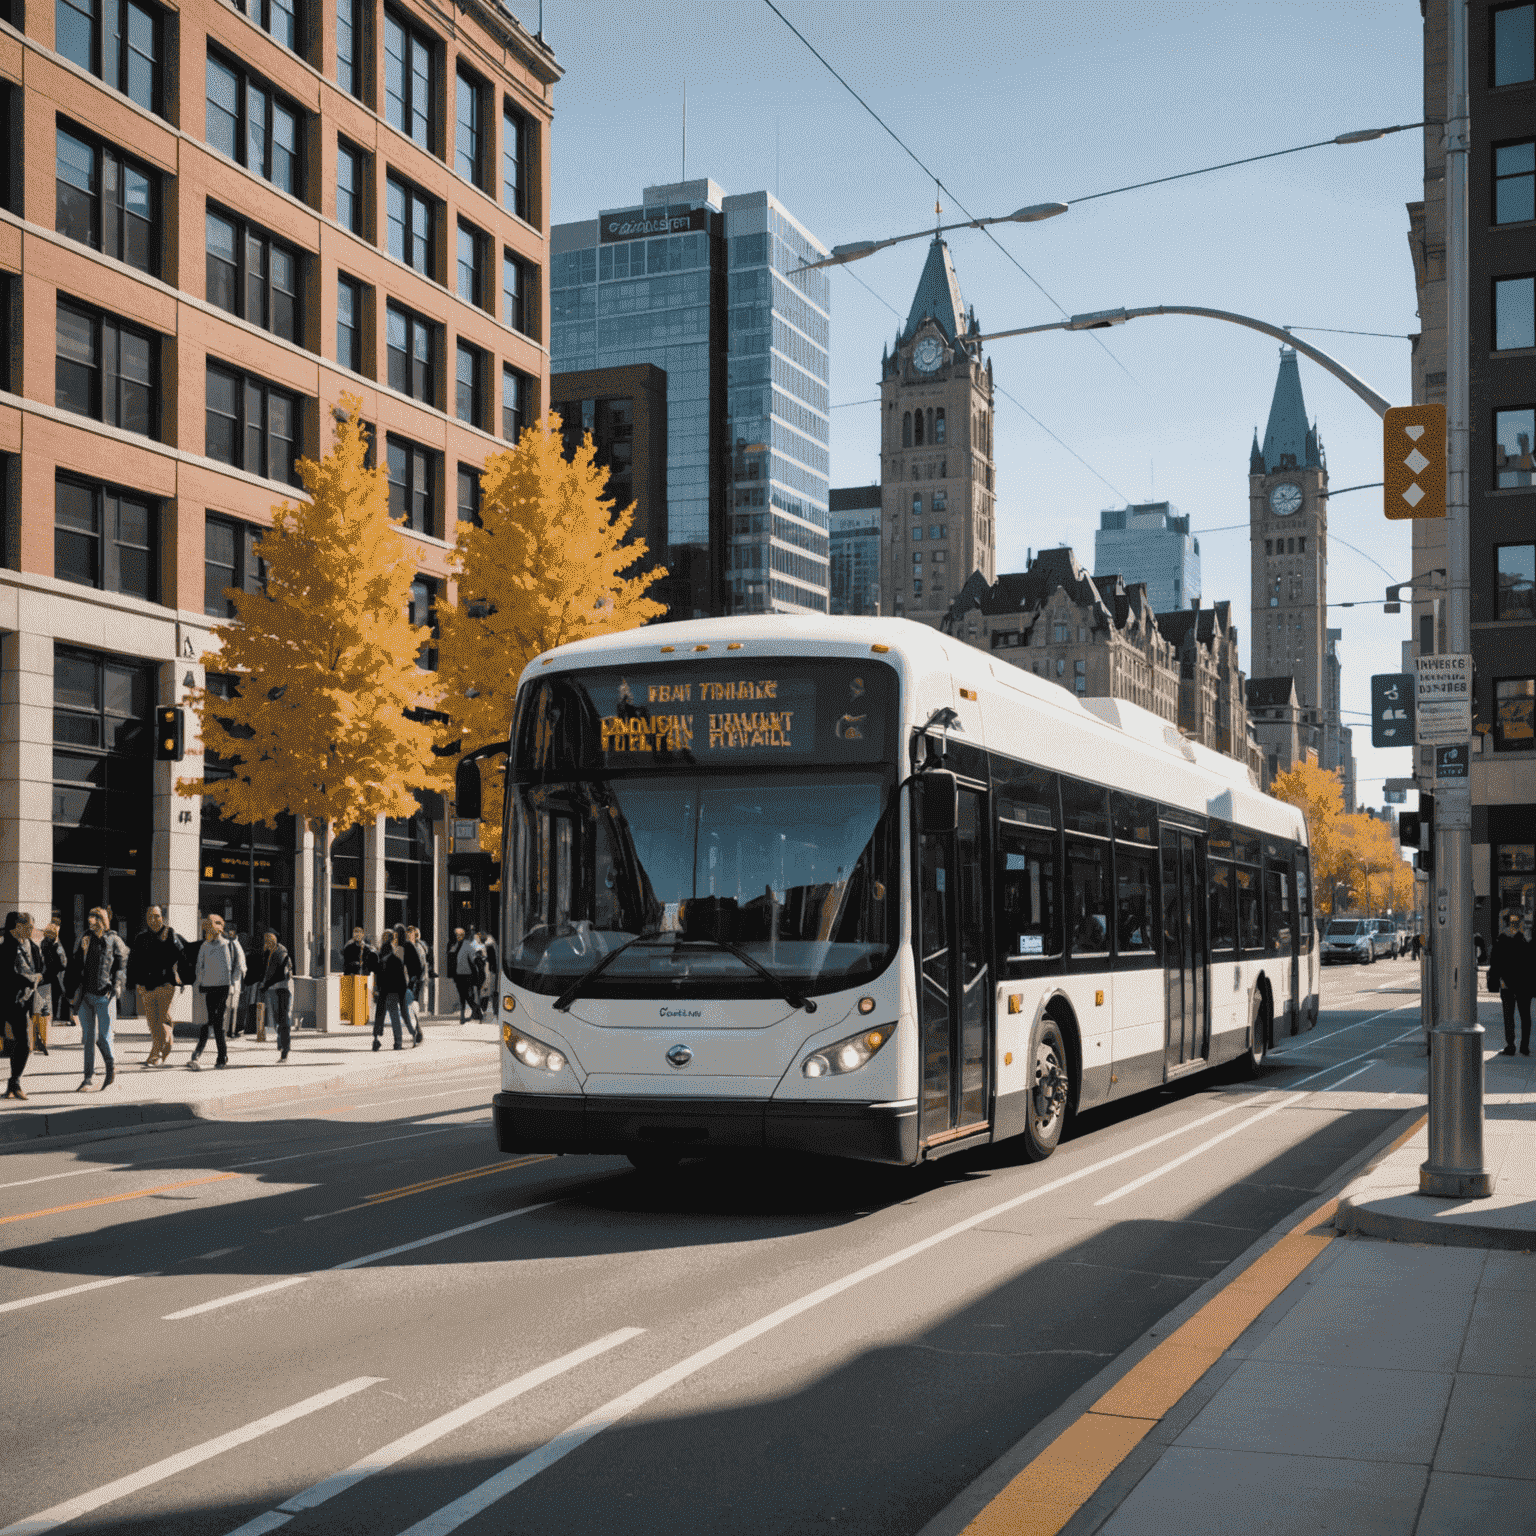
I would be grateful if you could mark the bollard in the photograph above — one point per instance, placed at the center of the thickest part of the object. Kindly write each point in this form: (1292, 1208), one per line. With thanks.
(1454, 1166)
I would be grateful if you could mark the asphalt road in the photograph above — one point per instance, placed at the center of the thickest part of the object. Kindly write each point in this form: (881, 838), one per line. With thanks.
(204, 1325)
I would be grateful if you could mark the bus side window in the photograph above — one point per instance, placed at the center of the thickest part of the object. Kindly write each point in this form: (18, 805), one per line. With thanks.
(1304, 897)
(1277, 911)
(1249, 925)
(1088, 912)
(1135, 900)
(1223, 909)
(1029, 912)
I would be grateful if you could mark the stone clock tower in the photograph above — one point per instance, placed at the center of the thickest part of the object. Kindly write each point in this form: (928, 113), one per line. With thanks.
(1288, 528)
(936, 468)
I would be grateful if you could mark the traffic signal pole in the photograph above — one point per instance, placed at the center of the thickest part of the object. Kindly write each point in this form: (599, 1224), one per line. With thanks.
(1455, 1166)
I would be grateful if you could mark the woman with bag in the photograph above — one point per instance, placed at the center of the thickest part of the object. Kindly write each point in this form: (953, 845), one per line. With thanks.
(220, 965)
(1512, 974)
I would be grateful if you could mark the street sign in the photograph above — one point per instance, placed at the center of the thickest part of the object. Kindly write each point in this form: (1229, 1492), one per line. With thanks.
(1451, 762)
(465, 831)
(1413, 461)
(1443, 700)
(1395, 796)
(1392, 699)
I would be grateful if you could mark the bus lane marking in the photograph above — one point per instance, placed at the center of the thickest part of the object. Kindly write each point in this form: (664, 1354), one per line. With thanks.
(69, 1290)
(1312, 1037)
(132, 1194)
(108, 1493)
(428, 1434)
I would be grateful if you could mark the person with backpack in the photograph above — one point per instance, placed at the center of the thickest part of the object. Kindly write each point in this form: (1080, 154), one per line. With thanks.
(152, 971)
(220, 965)
(394, 987)
(275, 989)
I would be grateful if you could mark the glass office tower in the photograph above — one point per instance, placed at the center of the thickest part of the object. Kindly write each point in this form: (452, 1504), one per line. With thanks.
(706, 287)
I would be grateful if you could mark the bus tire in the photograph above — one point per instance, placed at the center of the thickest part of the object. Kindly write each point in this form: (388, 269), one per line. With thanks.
(1049, 1090)
(1251, 1063)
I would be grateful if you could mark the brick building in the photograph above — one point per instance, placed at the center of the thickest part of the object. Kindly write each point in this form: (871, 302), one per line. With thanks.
(215, 224)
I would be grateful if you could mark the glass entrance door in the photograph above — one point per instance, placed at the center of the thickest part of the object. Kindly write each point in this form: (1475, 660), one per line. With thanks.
(954, 976)
(1185, 948)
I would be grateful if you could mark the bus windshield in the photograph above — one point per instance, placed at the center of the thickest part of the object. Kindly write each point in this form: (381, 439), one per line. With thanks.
(795, 868)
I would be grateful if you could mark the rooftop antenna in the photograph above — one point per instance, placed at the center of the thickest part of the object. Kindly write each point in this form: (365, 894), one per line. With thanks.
(776, 124)
(938, 208)
(685, 130)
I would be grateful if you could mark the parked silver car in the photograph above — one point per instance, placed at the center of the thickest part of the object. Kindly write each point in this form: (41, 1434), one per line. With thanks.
(1387, 940)
(1349, 938)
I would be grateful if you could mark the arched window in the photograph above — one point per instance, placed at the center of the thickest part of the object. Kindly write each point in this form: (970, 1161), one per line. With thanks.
(931, 437)
(918, 434)
(940, 433)
(906, 429)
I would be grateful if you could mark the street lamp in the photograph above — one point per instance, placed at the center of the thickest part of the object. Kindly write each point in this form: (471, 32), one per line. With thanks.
(857, 250)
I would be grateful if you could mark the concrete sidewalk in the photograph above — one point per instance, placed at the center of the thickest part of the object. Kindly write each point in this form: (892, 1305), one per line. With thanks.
(156, 1097)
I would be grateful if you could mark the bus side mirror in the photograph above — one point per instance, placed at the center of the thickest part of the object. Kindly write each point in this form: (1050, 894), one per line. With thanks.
(466, 791)
(941, 801)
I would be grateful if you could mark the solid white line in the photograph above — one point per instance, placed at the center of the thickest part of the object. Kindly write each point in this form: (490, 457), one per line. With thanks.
(1242, 1125)
(229, 1301)
(1303, 1042)
(351, 1146)
(74, 1173)
(69, 1290)
(419, 1439)
(1334, 1087)
(453, 1515)
(84, 1503)
(412, 1098)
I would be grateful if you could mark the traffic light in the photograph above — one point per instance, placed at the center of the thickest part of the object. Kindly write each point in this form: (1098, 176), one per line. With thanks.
(170, 733)
(1413, 461)
(1426, 833)
(1408, 825)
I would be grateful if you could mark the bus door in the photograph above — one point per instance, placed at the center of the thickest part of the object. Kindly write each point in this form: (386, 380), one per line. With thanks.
(954, 974)
(1186, 947)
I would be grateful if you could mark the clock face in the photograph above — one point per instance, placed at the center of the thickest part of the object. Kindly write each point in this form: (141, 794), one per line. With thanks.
(1285, 499)
(927, 354)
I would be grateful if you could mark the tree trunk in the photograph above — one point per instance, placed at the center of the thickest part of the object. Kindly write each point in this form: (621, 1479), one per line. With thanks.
(321, 903)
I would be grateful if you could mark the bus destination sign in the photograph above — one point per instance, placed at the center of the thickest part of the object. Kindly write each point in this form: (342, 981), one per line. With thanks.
(707, 717)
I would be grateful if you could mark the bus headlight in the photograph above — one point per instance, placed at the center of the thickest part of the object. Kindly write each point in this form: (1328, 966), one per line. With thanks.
(846, 1055)
(532, 1053)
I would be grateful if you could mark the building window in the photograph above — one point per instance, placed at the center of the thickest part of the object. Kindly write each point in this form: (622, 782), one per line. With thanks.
(106, 538)
(410, 81)
(351, 182)
(1512, 434)
(412, 344)
(126, 53)
(474, 249)
(412, 484)
(469, 384)
(940, 501)
(939, 429)
(1080, 676)
(1514, 727)
(1515, 867)
(906, 429)
(106, 370)
(917, 533)
(917, 586)
(349, 323)
(1514, 313)
(278, 18)
(351, 46)
(107, 201)
(424, 613)
(1514, 182)
(515, 138)
(252, 425)
(469, 495)
(469, 140)
(1515, 589)
(230, 560)
(254, 276)
(917, 557)
(412, 226)
(516, 403)
(917, 506)
(254, 126)
(518, 294)
(1514, 45)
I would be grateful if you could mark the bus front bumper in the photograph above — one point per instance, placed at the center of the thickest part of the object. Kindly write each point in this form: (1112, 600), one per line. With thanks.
(539, 1122)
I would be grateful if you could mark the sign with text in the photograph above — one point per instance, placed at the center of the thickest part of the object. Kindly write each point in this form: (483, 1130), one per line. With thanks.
(1443, 700)
(635, 226)
(1392, 700)
(1413, 461)
(1451, 762)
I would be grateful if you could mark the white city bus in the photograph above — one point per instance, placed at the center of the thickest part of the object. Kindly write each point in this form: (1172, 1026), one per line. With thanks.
(849, 886)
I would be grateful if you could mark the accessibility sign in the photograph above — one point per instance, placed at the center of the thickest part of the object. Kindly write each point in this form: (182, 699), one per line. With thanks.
(1443, 700)
(1451, 762)
(1392, 701)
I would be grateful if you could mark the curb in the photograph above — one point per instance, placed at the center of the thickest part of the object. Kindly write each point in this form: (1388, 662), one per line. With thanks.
(1356, 1214)
(97, 1122)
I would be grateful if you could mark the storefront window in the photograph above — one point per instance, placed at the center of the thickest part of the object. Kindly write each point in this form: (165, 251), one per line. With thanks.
(1512, 724)
(408, 872)
(346, 890)
(1515, 866)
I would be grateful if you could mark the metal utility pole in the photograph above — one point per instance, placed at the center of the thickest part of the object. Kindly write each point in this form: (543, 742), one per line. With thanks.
(1455, 1166)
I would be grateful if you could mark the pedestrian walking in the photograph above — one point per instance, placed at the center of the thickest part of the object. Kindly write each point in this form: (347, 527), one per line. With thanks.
(359, 958)
(488, 986)
(236, 1024)
(394, 987)
(103, 969)
(1418, 945)
(466, 964)
(1512, 974)
(424, 976)
(152, 972)
(21, 977)
(55, 963)
(276, 989)
(220, 965)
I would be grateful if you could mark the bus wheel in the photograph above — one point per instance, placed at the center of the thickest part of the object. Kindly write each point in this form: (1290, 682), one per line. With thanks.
(1047, 1091)
(654, 1160)
(1252, 1063)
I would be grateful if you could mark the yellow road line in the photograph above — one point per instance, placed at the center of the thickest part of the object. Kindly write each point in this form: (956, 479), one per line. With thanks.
(446, 1178)
(137, 1194)
(1072, 1468)
(432, 1184)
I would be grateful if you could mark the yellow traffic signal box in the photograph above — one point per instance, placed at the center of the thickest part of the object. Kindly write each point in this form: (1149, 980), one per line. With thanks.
(1413, 461)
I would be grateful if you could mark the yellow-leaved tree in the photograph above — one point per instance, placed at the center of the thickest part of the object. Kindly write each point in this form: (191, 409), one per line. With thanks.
(323, 662)
(1319, 795)
(547, 564)
(1369, 858)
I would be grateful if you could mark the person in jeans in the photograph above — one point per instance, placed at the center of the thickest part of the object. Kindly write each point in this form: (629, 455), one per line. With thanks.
(103, 969)
(220, 965)
(424, 974)
(466, 960)
(152, 970)
(276, 989)
(394, 987)
(21, 977)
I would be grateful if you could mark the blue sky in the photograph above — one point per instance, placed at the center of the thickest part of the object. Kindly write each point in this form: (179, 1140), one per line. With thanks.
(1016, 104)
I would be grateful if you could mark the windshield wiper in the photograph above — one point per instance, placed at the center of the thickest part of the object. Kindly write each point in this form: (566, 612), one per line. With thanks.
(572, 992)
(793, 998)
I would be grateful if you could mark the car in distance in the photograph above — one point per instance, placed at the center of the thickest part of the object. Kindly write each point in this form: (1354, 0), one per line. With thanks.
(1387, 940)
(1349, 938)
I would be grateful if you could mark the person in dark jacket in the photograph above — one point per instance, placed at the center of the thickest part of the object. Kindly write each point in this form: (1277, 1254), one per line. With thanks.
(394, 987)
(21, 977)
(103, 969)
(359, 958)
(55, 963)
(276, 972)
(420, 984)
(152, 962)
(1513, 966)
